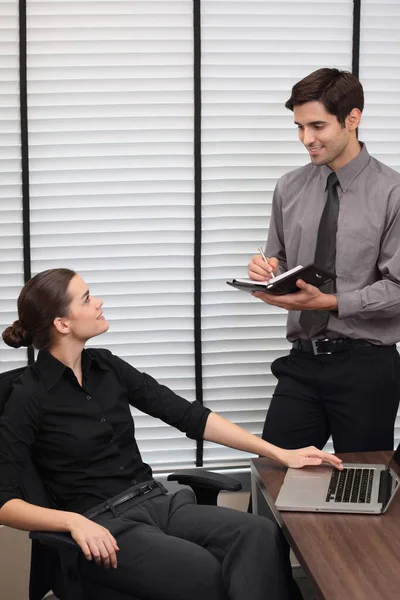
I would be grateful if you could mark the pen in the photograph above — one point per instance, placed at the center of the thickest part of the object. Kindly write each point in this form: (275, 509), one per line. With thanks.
(261, 251)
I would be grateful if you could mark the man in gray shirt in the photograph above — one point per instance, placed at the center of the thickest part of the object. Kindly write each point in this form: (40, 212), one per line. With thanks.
(343, 378)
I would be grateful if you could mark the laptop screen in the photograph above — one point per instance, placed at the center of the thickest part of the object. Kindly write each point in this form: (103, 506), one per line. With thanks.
(395, 462)
(392, 483)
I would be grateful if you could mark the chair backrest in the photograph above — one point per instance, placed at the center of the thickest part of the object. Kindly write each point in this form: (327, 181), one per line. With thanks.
(6, 385)
(44, 560)
(33, 488)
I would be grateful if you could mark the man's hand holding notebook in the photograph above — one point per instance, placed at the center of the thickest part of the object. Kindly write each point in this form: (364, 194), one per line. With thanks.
(285, 283)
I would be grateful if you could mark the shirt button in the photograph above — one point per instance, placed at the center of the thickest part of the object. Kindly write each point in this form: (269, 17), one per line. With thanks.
(102, 420)
(88, 397)
(121, 468)
(111, 441)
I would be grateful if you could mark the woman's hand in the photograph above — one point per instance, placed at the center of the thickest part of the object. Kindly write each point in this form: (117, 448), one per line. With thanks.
(95, 541)
(308, 456)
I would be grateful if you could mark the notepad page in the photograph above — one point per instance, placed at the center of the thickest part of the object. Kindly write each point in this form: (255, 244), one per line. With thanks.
(277, 278)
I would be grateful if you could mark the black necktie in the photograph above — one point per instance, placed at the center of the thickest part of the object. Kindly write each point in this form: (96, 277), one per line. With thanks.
(314, 322)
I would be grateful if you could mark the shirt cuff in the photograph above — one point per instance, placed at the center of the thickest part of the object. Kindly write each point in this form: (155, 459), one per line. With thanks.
(349, 304)
(197, 421)
(9, 495)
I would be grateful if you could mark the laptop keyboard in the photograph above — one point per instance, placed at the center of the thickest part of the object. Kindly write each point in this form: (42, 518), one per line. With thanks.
(350, 485)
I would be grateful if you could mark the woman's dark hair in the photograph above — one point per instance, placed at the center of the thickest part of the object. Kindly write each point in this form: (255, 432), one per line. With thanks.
(42, 299)
(339, 92)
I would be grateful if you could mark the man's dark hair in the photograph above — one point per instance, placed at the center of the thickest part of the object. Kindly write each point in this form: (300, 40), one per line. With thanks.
(338, 91)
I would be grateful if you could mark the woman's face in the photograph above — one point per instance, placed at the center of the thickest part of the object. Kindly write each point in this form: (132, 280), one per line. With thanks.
(85, 318)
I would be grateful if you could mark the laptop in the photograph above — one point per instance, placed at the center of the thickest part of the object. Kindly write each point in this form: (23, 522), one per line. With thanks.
(359, 488)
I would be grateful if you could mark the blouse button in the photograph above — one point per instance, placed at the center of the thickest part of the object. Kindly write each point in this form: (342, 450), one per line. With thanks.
(88, 397)
(121, 468)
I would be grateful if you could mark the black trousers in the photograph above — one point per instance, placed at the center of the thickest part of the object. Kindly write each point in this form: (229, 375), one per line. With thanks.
(172, 549)
(352, 395)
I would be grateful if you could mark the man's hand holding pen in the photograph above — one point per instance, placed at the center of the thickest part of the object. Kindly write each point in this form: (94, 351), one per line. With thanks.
(262, 268)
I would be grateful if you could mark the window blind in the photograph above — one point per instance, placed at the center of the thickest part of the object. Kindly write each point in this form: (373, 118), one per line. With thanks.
(380, 76)
(11, 255)
(110, 98)
(252, 54)
(111, 143)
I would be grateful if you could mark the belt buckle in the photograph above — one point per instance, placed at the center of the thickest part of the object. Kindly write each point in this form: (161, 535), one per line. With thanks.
(145, 489)
(315, 348)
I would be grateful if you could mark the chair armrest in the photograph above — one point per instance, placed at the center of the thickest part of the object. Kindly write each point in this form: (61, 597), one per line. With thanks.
(200, 478)
(65, 578)
(57, 539)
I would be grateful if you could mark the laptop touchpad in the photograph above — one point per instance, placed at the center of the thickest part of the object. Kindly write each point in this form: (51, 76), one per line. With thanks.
(305, 486)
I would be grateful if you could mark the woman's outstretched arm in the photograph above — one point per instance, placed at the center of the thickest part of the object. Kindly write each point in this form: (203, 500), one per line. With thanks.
(224, 432)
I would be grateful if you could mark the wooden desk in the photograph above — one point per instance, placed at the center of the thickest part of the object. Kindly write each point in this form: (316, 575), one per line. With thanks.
(347, 557)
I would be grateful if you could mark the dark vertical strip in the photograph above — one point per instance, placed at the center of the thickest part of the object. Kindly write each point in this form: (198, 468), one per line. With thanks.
(356, 37)
(197, 213)
(23, 102)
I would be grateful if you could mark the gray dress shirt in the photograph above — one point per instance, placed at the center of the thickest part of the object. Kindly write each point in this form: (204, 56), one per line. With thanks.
(367, 244)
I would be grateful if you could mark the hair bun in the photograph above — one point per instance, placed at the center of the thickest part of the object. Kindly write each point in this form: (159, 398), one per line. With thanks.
(16, 336)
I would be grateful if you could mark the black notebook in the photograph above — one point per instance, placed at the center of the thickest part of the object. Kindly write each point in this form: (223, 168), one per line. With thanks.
(285, 283)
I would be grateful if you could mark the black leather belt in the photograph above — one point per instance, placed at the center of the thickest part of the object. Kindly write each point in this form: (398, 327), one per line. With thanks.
(326, 346)
(133, 492)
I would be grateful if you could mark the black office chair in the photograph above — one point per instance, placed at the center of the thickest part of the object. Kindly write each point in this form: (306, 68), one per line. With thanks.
(55, 557)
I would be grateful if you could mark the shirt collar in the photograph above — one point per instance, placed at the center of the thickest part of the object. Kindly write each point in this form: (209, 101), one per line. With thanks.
(347, 174)
(52, 370)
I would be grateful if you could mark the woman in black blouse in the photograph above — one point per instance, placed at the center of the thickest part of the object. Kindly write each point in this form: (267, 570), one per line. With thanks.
(70, 411)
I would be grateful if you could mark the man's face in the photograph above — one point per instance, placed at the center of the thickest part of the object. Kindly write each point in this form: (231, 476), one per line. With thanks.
(85, 318)
(327, 142)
